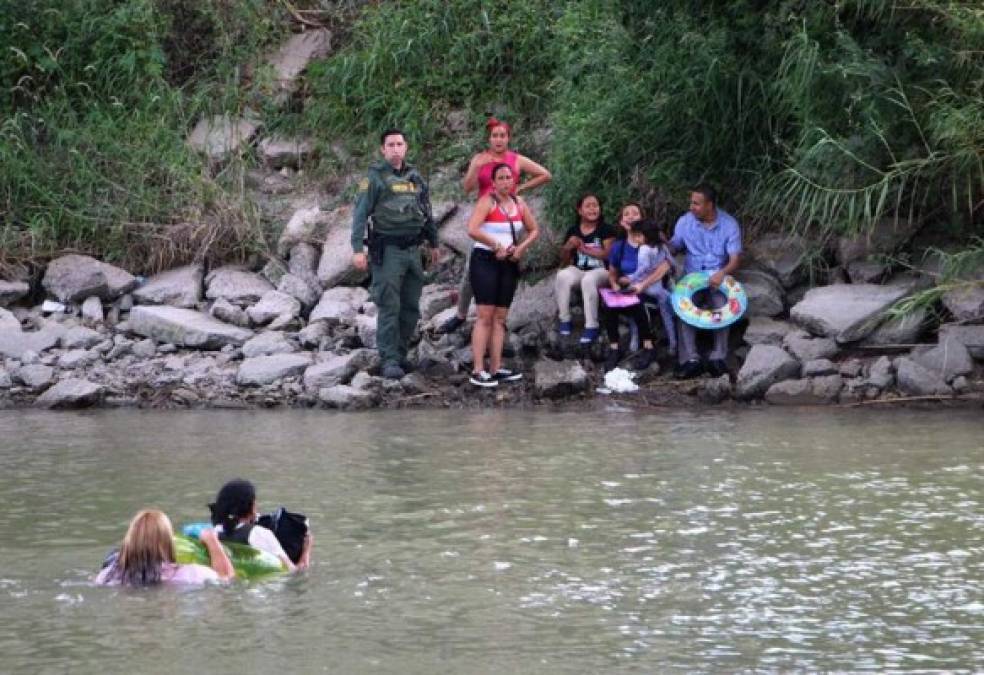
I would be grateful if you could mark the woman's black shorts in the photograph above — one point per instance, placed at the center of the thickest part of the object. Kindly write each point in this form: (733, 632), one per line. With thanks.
(493, 281)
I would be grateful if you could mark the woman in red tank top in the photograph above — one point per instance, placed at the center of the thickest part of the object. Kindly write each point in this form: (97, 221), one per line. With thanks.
(479, 177)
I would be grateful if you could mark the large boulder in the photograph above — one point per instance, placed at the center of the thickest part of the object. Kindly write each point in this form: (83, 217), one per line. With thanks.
(265, 344)
(846, 312)
(762, 330)
(279, 151)
(900, 330)
(950, 359)
(14, 342)
(35, 376)
(236, 285)
(915, 380)
(785, 256)
(71, 393)
(8, 321)
(73, 278)
(805, 347)
(881, 374)
(302, 290)
(346, 397)
(764, 366)
(306, 224)
(885, 237)
(806, 391)
(867, 271)
(339, 304)
(335, 266)
(179, 287)
(12, 291)
(220, 136)
(293, 57)
(966, 303)
(185, 327)
(80, 337)
(274, 305)
(766, 296)
(261, 370)
(533, 304)
(970, 336)
(338, 369)
(556, 379)
(435, 299)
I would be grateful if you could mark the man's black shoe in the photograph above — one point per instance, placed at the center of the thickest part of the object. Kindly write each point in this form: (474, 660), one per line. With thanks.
(644, 359)
(407, 365)
(717, 368)
(689, 370)
(611, 361)
(392, 371)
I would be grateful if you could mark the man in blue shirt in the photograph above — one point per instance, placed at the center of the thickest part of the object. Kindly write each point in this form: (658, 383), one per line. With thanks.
(712, 240)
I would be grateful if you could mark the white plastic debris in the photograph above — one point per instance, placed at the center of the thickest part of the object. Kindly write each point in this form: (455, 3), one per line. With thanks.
(619, 380)
(51, 306)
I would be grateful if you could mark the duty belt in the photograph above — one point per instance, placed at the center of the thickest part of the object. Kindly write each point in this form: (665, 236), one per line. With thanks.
(404, 241)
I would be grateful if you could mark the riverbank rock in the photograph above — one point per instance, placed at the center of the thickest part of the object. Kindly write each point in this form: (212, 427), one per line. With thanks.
(338, 369)
(302, 228)
(261, 370)
(454, 232)
(305, 291)
(867, 271)
(556, 379)
(846, 312)
(970, 336)
(8, 321)
(950, 359)
(280, 151)
(179, 287)
(12, 291)
(335, 266)
(346, 397)
(533, 304)
(915, 380)
(966, 303)
(293, 57)
(900, 330)
(265, 344)
(783, 256)
(223, 310)
(764, 366)
(71, 393)
(881, 374)
(806, 391)
(14, 342)
(185, 327)
(885, 237)
(274, 305)
(92, 311)
(236, 286)
(435, 299)
(766, 296)
(339, 304)
(73, 278)
(220, 136)
(762, 330)
(34, 376)
(805, 347)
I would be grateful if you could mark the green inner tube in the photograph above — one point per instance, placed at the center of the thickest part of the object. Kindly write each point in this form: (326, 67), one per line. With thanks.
(249, 562)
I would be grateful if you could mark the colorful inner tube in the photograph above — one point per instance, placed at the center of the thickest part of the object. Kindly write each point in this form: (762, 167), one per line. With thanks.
(249, 562)
(709, 319)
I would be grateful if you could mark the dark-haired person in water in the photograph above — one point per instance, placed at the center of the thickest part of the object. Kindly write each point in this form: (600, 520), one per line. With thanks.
(234, 517)
(479, 177)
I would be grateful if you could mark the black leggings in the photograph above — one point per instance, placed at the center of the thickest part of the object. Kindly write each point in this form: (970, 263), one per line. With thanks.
(493, 281)
(638, 313)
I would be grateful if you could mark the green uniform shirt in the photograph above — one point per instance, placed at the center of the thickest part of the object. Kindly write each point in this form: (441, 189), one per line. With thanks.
(397, 200)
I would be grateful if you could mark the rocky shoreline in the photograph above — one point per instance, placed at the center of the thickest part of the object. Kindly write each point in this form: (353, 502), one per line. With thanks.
(300, 332)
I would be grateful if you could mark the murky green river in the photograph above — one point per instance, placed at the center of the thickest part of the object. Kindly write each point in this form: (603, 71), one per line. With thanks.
(505, 541)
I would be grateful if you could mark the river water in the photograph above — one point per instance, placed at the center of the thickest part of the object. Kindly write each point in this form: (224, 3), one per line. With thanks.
(510, 541)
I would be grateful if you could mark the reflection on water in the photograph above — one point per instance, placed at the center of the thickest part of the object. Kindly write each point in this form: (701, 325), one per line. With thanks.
(511, 541)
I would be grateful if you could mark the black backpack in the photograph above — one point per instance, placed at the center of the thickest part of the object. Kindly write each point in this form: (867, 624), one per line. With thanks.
(289, 528)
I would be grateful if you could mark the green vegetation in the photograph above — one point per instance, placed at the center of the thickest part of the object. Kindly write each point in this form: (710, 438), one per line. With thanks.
(818, 117)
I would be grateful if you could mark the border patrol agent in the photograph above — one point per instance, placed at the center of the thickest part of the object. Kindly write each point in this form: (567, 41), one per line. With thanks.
(394, 197)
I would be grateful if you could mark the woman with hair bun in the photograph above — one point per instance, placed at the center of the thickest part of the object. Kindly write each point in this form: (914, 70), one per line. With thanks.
(147, 556)
(234, 517)
(479, 177)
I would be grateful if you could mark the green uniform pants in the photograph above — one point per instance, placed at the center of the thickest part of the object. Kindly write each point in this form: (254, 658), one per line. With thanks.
(395, 288)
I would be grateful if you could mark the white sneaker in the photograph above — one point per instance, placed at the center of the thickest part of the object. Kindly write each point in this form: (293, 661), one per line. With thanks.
(483, 379)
